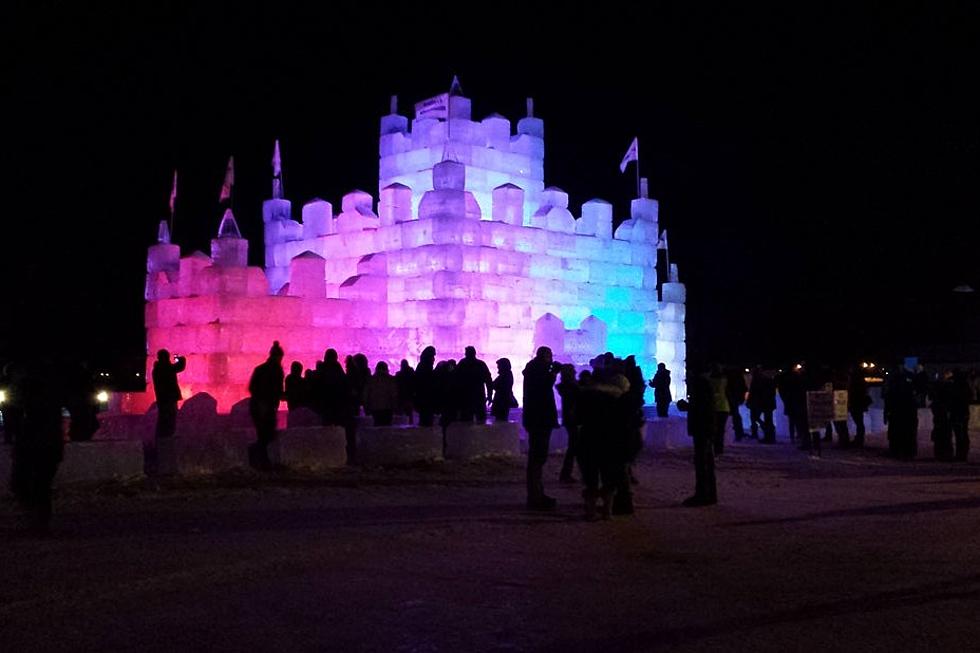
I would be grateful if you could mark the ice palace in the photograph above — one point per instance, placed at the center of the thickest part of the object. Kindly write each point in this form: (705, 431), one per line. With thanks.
(465, 246)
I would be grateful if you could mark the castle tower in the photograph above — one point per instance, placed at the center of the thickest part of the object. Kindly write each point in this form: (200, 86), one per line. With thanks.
(492, 155)
(279, 226)
(229, 249)
(162, 263)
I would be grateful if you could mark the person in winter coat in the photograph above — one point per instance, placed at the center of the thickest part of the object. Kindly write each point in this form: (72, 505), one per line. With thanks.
(539, 418)
(661, 389)
(381, 395)
(502, 398)
(265, 388)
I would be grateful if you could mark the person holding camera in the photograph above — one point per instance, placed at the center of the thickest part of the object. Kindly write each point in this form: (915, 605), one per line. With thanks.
(540, 416)
(167, 391)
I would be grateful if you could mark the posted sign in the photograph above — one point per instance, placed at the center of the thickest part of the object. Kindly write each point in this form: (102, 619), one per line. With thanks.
(840, 405)
(819, 409)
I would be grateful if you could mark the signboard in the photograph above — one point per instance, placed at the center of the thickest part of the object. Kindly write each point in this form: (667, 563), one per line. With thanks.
(819, 409)
(434, 107)
(840, 405)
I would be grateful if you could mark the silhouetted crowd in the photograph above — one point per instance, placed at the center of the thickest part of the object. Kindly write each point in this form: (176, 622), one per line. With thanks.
(601, 412)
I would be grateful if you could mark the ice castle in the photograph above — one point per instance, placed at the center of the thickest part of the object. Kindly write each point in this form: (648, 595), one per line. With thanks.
(465, 246)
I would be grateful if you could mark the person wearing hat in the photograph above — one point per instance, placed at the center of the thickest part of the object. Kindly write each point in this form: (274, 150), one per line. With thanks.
(266, 389)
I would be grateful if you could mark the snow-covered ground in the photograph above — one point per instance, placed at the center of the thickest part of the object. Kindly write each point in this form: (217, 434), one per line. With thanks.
(849, 552)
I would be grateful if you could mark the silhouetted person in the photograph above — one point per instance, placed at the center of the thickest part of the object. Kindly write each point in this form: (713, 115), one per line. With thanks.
(167, 391)
(405, 378)
(381, 395)
(296, 392)
(858, 401)
(358, 381)
(265, 388)
(331, 390)
(447, 393)
(901, 415)
(570, 393)
(839, 382)
(942, 431)
(920, 385)
(762, 403)
(661, 389)
(425, 389)
(502, 399)
(735, 390)
(82, 403)
(719, 391)
(959, 414)
(33, 416)
(792, 390)
(701, 420)
(540, 416)
(474, 386)
(607, 420)
(633, 403)
(634, 375)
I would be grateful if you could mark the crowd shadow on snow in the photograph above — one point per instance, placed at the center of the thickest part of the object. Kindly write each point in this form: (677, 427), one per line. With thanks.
(251, 518)
(885, 510)
(963, 588)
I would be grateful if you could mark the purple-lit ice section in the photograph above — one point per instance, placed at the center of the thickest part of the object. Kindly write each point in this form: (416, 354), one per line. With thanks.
(467, 247)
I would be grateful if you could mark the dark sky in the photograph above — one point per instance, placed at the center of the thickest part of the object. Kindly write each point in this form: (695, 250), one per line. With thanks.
(816, 166)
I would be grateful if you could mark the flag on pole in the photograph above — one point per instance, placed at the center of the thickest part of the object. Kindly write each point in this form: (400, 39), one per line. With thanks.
(632, 154)
(276, 173)
(173, 194)
(229, 180)
(434, 107)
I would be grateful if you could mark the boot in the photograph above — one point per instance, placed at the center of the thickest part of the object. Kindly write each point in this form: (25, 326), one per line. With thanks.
(607, 501)
(622, 504)
(591, 499)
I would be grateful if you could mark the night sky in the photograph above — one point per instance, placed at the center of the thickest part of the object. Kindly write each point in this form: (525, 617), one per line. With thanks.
(816, 167)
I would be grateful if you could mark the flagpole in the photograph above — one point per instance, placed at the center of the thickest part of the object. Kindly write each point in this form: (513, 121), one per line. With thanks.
(638, 168)
(173, 206)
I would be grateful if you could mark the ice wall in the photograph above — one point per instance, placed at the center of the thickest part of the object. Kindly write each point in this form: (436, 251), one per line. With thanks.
(466, 246)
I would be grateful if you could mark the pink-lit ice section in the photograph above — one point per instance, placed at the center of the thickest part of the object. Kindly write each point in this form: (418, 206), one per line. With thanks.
(465, 246)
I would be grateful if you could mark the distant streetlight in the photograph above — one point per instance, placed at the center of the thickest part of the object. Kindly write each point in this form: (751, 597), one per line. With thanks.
(102, 397)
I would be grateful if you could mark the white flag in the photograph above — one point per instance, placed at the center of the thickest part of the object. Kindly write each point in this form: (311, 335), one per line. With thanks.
(434, 107)
(173, 194)
(276, 161)
(632, 154)
(229, 180)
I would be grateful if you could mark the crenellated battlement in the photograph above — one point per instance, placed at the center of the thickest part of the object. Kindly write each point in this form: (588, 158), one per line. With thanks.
(464, 245)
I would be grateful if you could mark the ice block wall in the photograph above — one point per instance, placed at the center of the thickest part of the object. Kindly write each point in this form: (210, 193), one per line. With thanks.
(465, 246)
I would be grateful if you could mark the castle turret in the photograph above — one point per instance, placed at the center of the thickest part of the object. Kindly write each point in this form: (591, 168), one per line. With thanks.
(448, 197)
(491, 154)
(229, 249)
(277, 208)
(162, 263)
(394, 123)
(164, 256)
